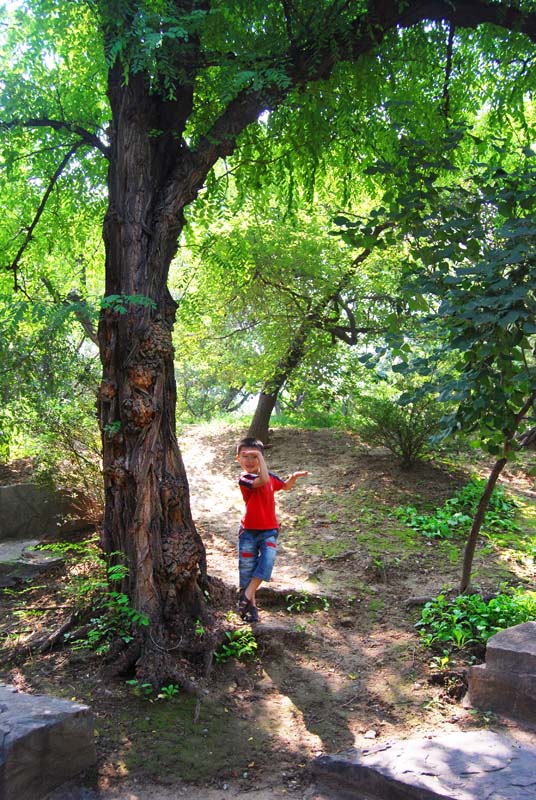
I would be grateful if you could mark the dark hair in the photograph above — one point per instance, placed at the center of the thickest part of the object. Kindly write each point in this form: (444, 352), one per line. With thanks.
(249, 442)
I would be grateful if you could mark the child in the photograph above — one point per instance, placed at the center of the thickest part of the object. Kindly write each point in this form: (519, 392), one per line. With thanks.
(257, 536)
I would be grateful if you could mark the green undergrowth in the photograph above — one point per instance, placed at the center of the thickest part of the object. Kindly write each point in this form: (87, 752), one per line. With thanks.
(471, 619)
(455, 516)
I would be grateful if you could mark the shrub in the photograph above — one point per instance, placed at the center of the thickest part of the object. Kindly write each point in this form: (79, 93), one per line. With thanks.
(405, 430)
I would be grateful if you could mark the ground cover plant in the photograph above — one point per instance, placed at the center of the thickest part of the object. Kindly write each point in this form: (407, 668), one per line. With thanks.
(471, 619)
(338, 653)
(454, 517)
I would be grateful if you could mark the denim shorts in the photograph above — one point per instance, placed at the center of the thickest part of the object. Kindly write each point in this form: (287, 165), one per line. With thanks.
(256, 554)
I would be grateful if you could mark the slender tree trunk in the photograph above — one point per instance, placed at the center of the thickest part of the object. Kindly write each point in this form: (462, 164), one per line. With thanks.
(316, 317)
(477, 524)
(147, 509)
(260, 424)
(486, 494)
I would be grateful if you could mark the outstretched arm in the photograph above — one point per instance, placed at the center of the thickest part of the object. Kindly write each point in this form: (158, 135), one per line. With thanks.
(291, 480)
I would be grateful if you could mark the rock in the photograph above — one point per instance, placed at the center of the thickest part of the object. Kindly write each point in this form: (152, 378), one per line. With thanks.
(506, 683)
(20, 562)
(45, 741)
(460, 766)
(29, 510)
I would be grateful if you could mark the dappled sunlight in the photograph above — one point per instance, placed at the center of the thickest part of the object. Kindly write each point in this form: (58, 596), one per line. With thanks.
(284, 723)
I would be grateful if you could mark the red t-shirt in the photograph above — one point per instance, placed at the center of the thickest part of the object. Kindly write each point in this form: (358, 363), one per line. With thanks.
(260, 502)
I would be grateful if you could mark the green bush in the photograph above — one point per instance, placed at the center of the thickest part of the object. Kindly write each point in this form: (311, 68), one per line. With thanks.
(469, 619)
(90, 585)
(405, 430)
(455, 516)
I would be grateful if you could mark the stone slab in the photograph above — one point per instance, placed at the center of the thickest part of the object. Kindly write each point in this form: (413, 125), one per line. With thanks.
(44, 741)
(29, 510)
(513, 650)
(507, 693)
(476, 765)
(20, 562)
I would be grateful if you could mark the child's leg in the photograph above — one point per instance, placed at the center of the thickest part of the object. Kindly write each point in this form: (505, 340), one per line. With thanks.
(267, 548)
(248, 556)
(251, 588)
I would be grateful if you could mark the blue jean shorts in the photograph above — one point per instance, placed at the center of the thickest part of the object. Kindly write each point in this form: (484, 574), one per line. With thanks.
(256, 554)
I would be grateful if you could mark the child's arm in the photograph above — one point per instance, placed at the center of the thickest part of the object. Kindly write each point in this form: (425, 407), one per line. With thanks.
(263, 476)
(290, 481)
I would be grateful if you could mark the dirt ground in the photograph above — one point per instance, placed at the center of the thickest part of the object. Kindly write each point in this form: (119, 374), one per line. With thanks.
(339, 662)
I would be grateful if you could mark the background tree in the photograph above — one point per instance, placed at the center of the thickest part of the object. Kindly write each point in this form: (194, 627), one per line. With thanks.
(472, 262)
(183, 81)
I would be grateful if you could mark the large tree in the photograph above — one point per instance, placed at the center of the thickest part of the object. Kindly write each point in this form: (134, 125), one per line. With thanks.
(185, 79)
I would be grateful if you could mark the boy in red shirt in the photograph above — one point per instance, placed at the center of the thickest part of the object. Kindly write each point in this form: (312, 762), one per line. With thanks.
(257, 536)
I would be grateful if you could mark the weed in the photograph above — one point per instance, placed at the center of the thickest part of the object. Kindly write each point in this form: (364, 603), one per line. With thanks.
(440, 662)
(240, 643)
(299, 603)
(145, 690)
(139, 689)
(169, 691)
(455, 516)
(469, 619)
(484, 717)
(199, 628)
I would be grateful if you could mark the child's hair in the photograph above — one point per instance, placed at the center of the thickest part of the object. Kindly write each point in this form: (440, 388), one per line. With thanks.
(243, 444)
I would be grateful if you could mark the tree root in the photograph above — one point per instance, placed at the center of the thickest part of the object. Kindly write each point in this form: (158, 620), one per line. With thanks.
(43, 644)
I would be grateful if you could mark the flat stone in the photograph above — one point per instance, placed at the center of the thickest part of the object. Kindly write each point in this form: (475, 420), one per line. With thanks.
(44, 741)
(476, 765)
(20, 562)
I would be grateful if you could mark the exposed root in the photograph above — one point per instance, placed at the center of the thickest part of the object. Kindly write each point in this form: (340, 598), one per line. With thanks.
(49, 641)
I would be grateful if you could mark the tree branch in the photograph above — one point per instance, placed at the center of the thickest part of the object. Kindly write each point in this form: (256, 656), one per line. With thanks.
(287, 11)
(29, 234)
(308, 61)
(58, 125)
(448, 72)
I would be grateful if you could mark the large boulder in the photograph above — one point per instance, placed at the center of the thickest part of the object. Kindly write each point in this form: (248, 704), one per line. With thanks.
(44, 741)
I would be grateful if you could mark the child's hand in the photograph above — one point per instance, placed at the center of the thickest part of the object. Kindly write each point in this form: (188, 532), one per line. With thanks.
(291, 480)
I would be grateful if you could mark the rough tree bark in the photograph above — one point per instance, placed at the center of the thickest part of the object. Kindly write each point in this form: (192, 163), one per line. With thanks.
(147, 509)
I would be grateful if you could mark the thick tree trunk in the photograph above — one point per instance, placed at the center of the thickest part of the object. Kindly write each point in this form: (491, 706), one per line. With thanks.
(147, 511)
